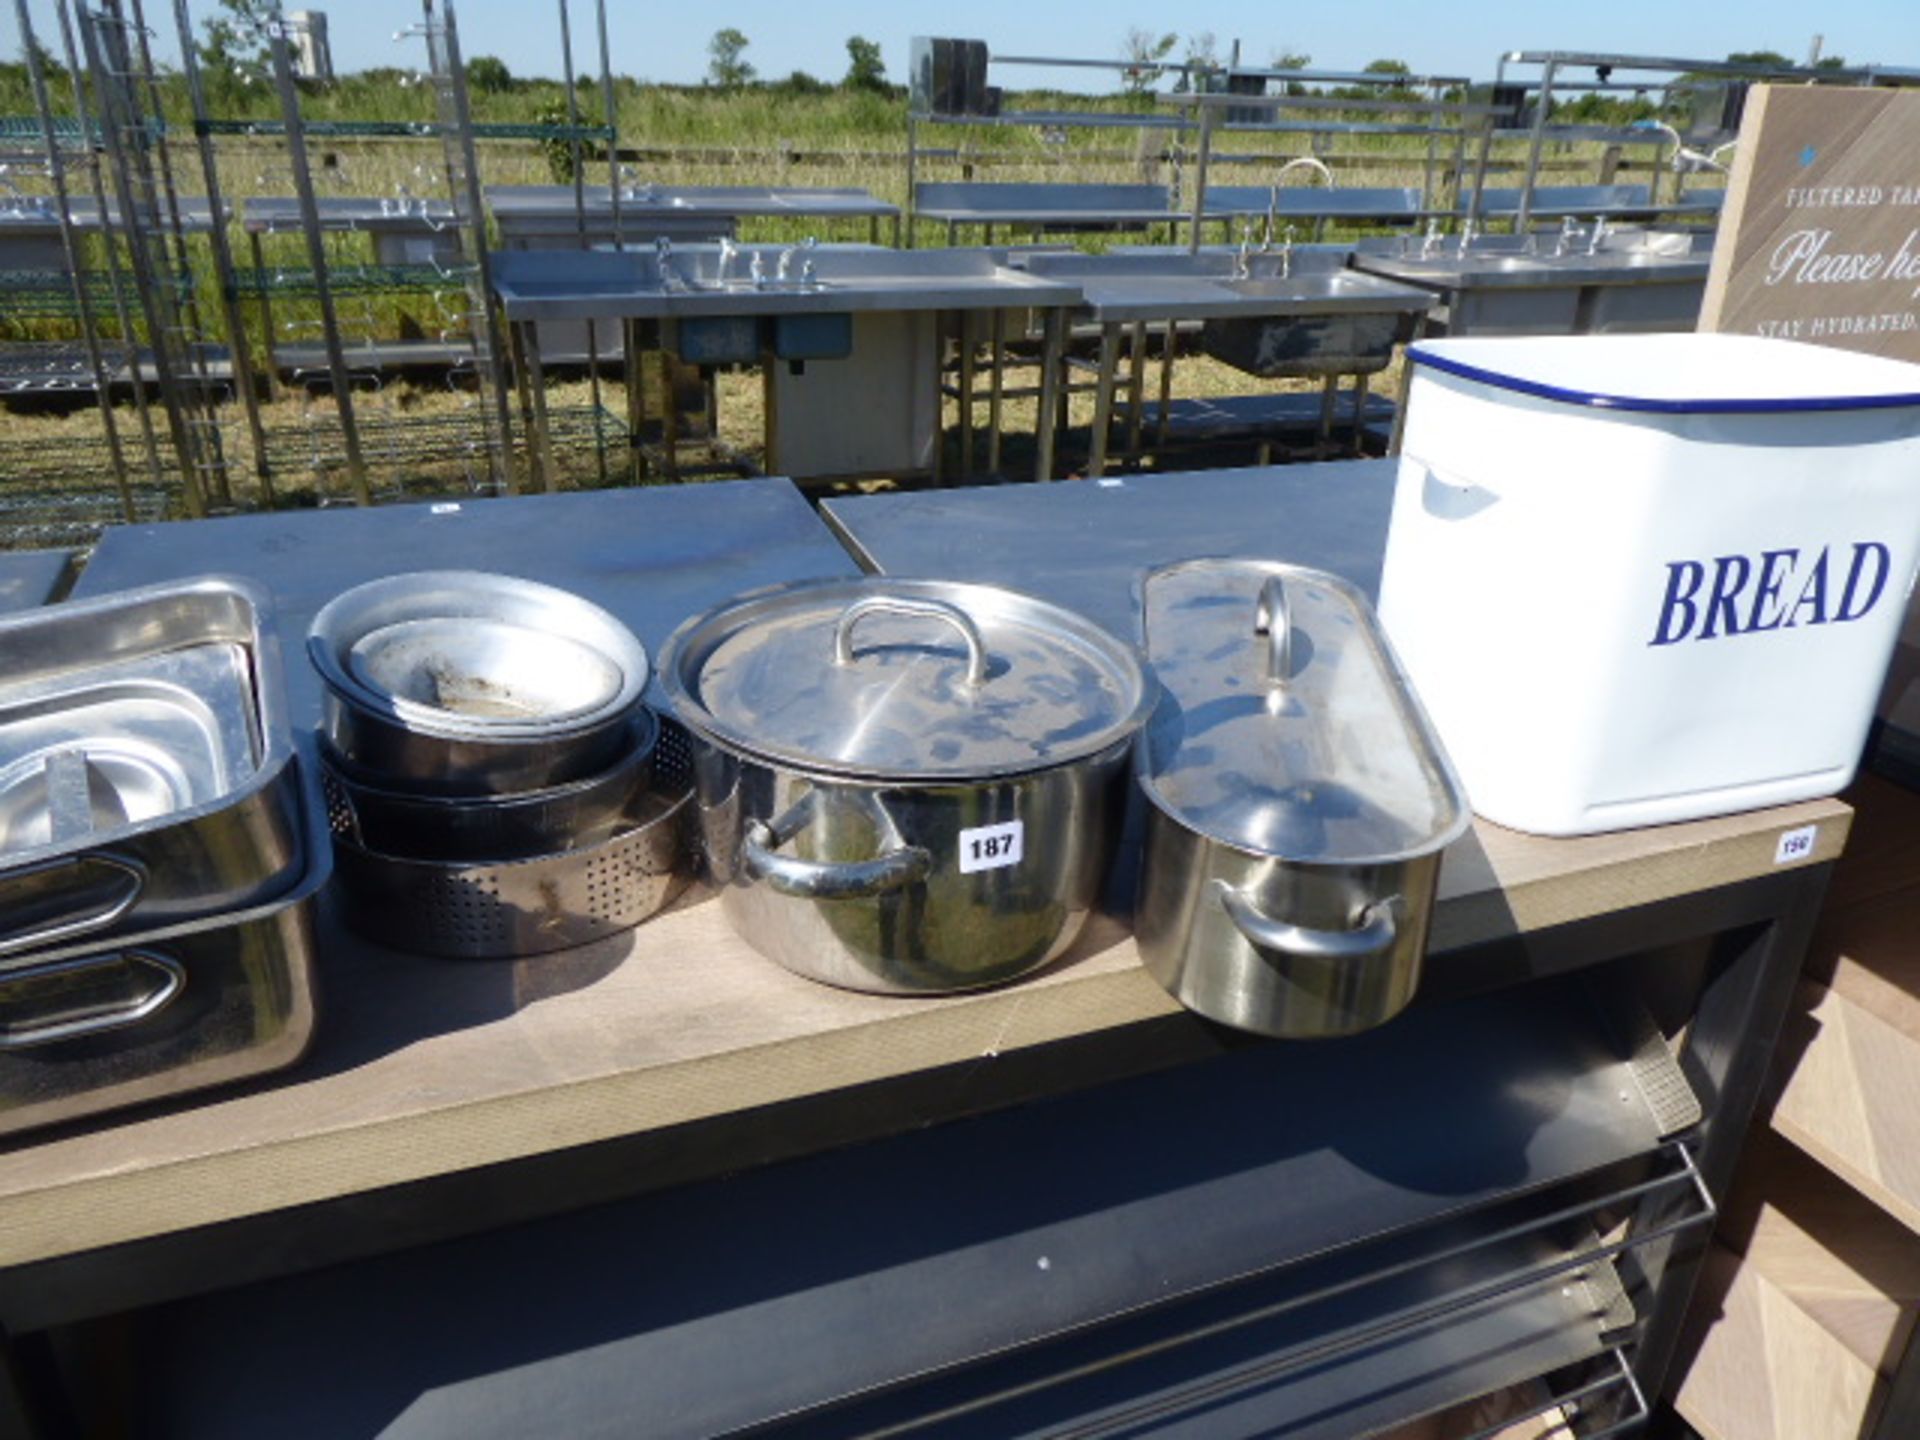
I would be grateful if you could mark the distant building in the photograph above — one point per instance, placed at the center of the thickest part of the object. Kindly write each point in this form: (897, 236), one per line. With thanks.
(307, 35)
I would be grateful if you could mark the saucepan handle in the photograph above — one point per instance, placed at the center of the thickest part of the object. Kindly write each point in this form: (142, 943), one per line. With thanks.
(59, 900)
(168, 979)
(908, 605)
(892, 869)
(1373, 935)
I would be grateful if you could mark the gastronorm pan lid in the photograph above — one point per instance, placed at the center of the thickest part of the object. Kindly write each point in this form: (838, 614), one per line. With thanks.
(1286, 726)
(905, 679)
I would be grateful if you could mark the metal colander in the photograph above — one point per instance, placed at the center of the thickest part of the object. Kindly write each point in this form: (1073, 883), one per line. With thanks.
(513, 908)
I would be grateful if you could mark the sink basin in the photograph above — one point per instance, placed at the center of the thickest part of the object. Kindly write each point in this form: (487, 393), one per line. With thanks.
(741, 286)
(1316, 290)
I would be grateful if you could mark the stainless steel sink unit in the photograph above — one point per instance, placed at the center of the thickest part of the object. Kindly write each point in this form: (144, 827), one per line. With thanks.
(1273, 313)
(1624, 281)
(153, 864)
(873, 316)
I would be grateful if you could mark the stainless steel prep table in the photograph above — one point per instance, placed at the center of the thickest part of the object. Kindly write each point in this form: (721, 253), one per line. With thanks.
(780, 1222)
(529, 214)
(1044, 206)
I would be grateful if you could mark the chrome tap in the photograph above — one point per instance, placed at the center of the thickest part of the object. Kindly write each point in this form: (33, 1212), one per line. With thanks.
(1597, 234)
(1431, 241)
(1467, 232)
(1299, 162)
(1306, 162)
(785, 271)
(757, 271)
(1686, 160)
(729, 248)
(1569, 233)
(1243, 263)
(663, 262)
(1286, 252)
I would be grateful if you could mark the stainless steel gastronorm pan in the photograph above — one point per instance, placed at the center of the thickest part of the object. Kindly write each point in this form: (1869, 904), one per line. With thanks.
(101, 1025)
(145, 764)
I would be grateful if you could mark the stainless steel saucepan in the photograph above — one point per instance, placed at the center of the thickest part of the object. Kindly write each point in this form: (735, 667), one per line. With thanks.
(906, 786)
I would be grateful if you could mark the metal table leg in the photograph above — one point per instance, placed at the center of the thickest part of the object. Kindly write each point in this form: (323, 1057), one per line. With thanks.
(1166, 384)
(964, 325)
(523, 389)
(769, 414)
(935, 476)
(996, 383)
(1103, 401)
(1359, 414)
(636, 401)
(266, 318)
(1136, 388)
(537, 383)
(670, 397)
(1045, 419)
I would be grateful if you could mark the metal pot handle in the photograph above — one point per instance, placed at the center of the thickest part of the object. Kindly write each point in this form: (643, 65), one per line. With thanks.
(903, 605)
(895, 869)
(1270, 619)
(107, 899)
(173, 979)
(1374, 935)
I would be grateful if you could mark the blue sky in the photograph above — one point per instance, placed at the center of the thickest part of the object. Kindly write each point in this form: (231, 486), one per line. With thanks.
(661, 41)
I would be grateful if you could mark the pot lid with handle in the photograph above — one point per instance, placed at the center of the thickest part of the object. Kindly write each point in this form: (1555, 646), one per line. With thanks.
(905, 679)
(1286, 726)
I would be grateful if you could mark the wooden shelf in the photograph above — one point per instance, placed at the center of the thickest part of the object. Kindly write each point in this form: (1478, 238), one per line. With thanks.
(1807, 1307)
(1765, 1369)
(1849, 1064)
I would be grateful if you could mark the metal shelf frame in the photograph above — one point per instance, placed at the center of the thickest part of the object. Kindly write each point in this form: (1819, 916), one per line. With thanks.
(1209, 93)
(321, 281)
(1551, 79)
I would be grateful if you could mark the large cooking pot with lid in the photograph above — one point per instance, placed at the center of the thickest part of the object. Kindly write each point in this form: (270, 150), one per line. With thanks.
(1300, 802)
(461, 682)
(906, 786)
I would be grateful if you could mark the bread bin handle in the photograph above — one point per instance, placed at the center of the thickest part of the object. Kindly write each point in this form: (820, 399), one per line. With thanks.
(1374, 935)
(99, 1018)
(893, 869)
(903, 605)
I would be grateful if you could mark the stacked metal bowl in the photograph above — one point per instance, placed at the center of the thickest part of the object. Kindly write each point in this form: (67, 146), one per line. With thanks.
(497, 788)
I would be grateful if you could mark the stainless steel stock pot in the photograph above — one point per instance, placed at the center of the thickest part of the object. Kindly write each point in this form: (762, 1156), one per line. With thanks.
(906, 786)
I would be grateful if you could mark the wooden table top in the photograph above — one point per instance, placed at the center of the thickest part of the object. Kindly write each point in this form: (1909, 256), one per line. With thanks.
(427, 1068)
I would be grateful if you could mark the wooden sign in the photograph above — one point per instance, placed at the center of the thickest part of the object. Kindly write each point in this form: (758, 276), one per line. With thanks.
(1820, 237)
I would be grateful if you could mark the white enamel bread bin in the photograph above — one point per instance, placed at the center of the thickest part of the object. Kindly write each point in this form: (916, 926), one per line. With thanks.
(1647, 578)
